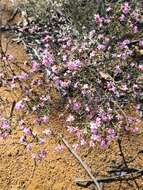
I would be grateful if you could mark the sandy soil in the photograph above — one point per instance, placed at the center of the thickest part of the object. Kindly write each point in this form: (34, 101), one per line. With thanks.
(59, 170)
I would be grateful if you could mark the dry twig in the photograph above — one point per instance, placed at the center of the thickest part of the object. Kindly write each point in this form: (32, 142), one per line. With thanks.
(88, 170)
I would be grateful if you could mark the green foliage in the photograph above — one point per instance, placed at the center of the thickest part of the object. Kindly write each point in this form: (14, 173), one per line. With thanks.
(77, 13)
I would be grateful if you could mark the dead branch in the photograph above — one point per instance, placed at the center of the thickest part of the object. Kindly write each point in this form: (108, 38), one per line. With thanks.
(88, 170)
(125, 177)
(12, 109)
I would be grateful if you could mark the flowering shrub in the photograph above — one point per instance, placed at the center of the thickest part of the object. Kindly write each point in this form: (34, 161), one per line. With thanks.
(32, 104)
(93, 59)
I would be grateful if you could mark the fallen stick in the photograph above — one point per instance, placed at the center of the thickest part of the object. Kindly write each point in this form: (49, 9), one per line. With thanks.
(94, 180)
(12, 109)
(127, 177)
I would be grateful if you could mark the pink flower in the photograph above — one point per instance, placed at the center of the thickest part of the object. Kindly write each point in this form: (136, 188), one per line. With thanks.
(27, 131)
(10, 58)
(5, 125)
(135, 29)
(122, 18)
(82, 142)
(41, 141)
(69, 42)
(111, 131)
(98, 19)
(46, 38)
(72, 66)
(93, 127)
(71, 129)
(141, 68)
(64, 57)
(135, 130)
(23, 76)
(123, 45)
(38, 120)
(104, 144)
(19, 105)
(111, 134)
(22, 139)
(98, 121)
(42, 154)
(111, 87)
(125, 8)
(29, 146)
(79, 134)
(101, 47)
(47, 60)
(45, 119)
(64, 84)
(117, 70)
(76, 106)
(96, 138)
(35, 66)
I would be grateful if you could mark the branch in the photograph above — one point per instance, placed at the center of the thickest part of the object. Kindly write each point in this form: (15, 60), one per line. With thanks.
(121, 153)
(125, 177)
(82, 163)
(12, 109)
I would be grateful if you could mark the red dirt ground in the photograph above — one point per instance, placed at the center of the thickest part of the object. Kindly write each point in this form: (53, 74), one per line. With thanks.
(59, 170)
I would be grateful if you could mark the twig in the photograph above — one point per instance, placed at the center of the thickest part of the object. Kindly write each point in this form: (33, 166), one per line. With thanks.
(125, 162)
(125, 177)
(82, 163)
(121, 153)
(12, 109)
